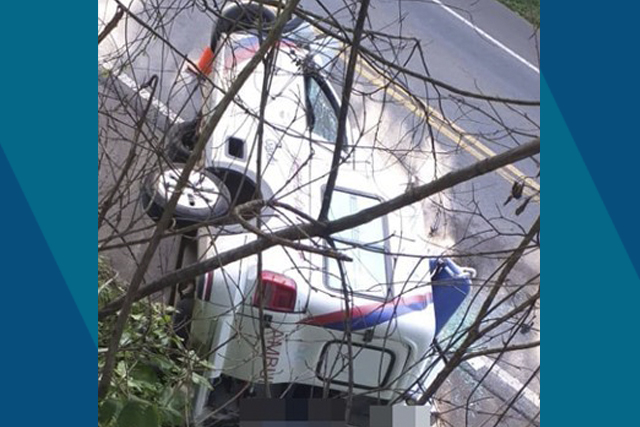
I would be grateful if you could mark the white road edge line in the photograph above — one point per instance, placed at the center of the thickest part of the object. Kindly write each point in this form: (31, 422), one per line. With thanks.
(483, 362)
(144, 93)
(487, 36)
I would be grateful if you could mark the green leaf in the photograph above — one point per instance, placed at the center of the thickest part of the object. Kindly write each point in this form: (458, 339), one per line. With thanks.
(161, 361)
(171, 417)
(200, 380)
(106, 411)
(173, 404)
(121, 369)
(144, 373)
(174, 398)
(135, 414)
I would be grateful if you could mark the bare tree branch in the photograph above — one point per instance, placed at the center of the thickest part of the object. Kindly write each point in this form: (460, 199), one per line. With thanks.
(314, 229)
(163, 223)
(344, 109)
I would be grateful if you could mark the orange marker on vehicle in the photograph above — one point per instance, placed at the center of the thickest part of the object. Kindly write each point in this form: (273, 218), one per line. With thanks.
(206, 61)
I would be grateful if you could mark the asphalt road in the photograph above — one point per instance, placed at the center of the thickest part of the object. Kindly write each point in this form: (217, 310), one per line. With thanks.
(457, 53)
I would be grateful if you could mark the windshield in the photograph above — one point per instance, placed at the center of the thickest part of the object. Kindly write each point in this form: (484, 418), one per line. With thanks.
(322, 114)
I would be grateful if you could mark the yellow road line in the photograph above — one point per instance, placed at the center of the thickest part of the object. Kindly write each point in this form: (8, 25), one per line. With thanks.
(462, 138)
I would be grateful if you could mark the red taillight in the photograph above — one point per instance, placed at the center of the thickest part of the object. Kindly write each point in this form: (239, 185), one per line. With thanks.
(278, 292)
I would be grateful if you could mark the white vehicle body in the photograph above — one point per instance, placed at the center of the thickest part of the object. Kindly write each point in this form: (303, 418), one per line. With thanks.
(378, 346)
(392, 320)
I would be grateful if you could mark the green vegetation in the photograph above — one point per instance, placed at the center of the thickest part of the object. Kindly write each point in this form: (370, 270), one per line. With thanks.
(528, 9)
(154, 373)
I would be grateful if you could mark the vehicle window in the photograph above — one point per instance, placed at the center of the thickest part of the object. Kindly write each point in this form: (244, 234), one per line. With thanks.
(364, 244)
(323, 119)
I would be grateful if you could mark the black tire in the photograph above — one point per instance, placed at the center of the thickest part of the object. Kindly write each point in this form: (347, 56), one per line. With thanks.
(206, 206)
(182, 319)
(241, 17)
(181, 139)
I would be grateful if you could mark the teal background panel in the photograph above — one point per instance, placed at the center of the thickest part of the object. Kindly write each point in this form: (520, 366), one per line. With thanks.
(46, 139)
(592, 249)
(590, 289)
(48, 214)
(48, 355)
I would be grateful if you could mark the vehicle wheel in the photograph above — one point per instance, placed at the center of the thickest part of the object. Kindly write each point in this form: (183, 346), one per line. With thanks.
(204, 198)
(241, 16)
(181, 139)
(182, 319)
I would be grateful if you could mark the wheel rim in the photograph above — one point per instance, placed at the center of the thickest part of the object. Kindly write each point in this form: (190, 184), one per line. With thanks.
(201, 192)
